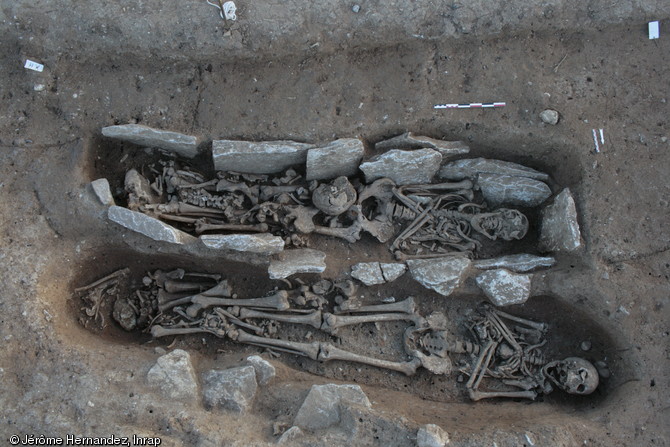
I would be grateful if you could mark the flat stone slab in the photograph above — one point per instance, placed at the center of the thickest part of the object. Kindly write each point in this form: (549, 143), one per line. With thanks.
(392, 270)
(403, 167)
(321, 407)
(504, 288)
(102, 191)
(369, 273)
(442, 275)
(184, 145)
(559, 229)
(472, 167)
(264, 243)
(147, 225)
(233, 389)
(512, 190)
(410, 140)
(174, 376)
(290, 262)
(265, 157)
(339, 158)
(520, 263)
(265, 372)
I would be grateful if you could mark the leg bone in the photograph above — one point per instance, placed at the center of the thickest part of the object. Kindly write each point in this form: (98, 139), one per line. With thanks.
(332, 322)
(313, 318)
(310, 350)
(330, 352)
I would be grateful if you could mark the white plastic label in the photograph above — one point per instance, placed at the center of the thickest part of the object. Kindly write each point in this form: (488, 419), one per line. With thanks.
(653, 30)
(32, 65)
(229, 9)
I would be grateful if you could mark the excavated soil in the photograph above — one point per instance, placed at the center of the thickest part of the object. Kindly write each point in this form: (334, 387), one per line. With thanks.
(280, 74)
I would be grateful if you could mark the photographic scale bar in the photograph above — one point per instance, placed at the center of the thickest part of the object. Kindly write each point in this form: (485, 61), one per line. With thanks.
(471, 105)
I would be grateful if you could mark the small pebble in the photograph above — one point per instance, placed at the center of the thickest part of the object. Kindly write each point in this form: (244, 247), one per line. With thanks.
(664, 139)
(603, 370)
(549, 116)
(356, 8)
(39, 87)
(586, 345)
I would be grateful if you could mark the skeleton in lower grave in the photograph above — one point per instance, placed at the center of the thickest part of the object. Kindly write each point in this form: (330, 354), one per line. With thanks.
(504, 352)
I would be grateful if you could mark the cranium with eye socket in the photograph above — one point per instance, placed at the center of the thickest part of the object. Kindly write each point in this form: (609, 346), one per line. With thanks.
(573, 375)
(506, 224)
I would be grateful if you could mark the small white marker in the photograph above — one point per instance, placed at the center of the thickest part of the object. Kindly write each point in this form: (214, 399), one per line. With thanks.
(653, 30)
(32, 65)
(595, 140)
(602, 137)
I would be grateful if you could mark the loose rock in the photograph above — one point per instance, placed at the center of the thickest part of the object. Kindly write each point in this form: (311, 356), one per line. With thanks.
(442, 275)
(265, 244)
(321, 407)
(559, 229)
(174, 376)
(290, 262)
(403, 167)
(341, 157)
(290, 436)
(393, 271)
(102, 191)
(504, 288)
(431, 435)
(266, 157)
(264, 369)
(184, 145)
(233, 389)
(472, 167)
(411, 141)
(512, 191)
(549, 116)
(147, 225)
(369, 273)
(520, 263)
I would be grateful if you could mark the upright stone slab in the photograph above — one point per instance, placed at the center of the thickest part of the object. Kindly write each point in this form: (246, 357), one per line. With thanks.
(520, 263)
(321, 408)
(559, 230)
(442, 275)
(147, 225)
(339, 158)
(431, 435)
(184, 145)
(174, 376)
(512, 190)
(102, 191)
(264, 243)
(503, 287)
(290, 262)
(265, 372)
(233, 389)
(472, 167)
(265, 157)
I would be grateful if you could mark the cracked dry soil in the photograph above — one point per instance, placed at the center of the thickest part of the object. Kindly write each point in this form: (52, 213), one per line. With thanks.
(374, 75)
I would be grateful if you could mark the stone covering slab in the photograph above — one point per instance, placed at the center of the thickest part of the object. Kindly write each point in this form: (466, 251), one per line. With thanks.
(504, 288)
(264, 243)
(442, 275)
(403, 167)
(520, 263)
(339, 158)
(233, 389)
(512, 190)
(472, 167)
(174, 376)
(290, 262)
(184, 145)
(147, 225)
(559, 229)
(265, 157)
(321, 407)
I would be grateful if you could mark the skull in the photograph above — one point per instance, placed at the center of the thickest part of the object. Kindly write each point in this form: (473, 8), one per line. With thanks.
(503, 223)
(334, 198)
(573, 375)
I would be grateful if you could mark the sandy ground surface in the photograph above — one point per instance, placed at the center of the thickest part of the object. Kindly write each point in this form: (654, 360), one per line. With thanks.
(314, 74)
